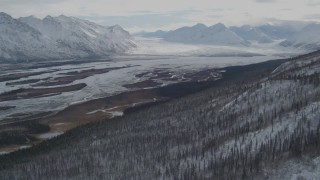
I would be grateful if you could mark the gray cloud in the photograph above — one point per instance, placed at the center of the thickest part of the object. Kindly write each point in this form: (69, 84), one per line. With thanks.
(165, 13)
(312, 17)
(265, 1)
(313, 3)
(215, 16)
(145, 18)
(286, 9)
(30, 2)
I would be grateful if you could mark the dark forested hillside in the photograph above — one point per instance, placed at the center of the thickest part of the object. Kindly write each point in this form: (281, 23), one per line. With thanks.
(259, 122)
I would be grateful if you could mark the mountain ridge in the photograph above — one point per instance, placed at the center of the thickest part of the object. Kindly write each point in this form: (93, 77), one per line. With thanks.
(59, 37)
(284, 34)
(217, 34)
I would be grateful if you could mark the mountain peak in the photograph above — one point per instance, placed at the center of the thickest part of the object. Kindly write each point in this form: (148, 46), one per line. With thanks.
(200, 25)
(48, 18)
(4, 17)
(116, 26)
(30, 18)
(219, 26)
(62, 16)
(3, 14)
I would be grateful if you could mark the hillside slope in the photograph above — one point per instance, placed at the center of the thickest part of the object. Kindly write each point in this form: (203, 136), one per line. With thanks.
(262, 126)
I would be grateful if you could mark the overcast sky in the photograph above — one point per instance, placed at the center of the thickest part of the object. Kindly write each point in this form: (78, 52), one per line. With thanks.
(136, 15)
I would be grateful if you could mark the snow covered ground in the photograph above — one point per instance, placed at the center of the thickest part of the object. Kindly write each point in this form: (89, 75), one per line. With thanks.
(110, 83)
(263, 129)
(158, 46)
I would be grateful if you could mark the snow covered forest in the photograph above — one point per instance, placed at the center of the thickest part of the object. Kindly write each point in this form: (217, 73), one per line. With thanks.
(266, 126)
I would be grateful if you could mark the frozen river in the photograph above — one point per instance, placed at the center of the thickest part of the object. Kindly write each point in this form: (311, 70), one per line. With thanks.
(109, 83)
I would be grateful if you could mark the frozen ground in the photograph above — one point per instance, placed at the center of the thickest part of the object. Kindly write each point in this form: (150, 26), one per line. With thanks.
(266, 128)
(107, 84)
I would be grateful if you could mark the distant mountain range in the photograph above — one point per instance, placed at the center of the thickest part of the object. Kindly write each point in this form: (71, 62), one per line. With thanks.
(61, 37)
(308, 38)
(249, 33)
(217, 34)
(287, 34)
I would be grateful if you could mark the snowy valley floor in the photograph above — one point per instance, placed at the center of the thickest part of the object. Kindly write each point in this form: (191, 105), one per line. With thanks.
(259, 121)
(41, 100)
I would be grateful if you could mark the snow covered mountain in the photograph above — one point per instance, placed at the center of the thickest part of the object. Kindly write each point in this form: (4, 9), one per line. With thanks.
(217, 34)
(20, 41)
(61, 37)
(250, 33)
(293, 34)
(307, 38)
(277, 31)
